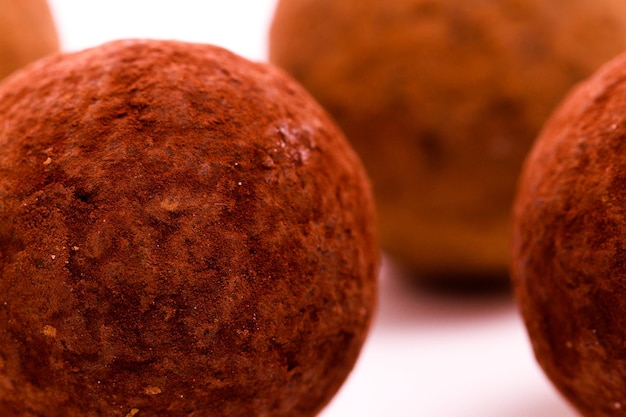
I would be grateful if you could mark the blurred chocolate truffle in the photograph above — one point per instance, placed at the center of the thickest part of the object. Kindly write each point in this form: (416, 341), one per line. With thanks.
(569, 250)
(27, 33)
(442, 99)
(182, 232)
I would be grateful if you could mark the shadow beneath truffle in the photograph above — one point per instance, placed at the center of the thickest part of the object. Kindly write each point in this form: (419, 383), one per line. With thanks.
(483, 285)
(407, 302)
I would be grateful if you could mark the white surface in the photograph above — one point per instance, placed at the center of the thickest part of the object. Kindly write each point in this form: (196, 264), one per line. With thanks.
(436, 355)
(427, 355)
(239, 25)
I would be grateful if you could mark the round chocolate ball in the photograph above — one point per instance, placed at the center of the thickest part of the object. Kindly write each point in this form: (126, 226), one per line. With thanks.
(27, 33)
(443, 99)
(569, 250)
(182, 233)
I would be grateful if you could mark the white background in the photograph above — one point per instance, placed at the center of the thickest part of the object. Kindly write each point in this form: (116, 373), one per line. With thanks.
(428, 355)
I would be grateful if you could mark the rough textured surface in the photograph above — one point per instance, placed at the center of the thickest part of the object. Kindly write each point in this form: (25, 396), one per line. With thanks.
(442, 99)
(182, 233)
(27, 32)
(569, 258)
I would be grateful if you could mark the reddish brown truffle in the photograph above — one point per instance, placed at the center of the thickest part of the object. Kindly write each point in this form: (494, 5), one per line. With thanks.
(27, 33)
(569, 251)
(182, 233)
(442, 99)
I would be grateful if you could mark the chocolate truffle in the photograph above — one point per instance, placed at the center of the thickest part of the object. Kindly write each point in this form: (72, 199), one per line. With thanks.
(443, 99)
(27, 33)
(569, 251)
(182, 233)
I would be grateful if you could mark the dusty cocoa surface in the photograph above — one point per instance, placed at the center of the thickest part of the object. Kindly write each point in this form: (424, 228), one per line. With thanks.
(442, 99)
(27, 33)
(569, 252)
(182, 233)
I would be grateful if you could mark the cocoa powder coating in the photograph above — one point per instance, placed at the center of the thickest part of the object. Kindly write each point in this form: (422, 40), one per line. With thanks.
(442, 99)
(27, 33)
(569, 252)
(182, 233)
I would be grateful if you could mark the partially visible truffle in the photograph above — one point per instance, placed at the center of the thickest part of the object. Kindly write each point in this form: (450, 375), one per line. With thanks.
(182, 233)
(27, 33)
(443, 99)
(569, 246)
